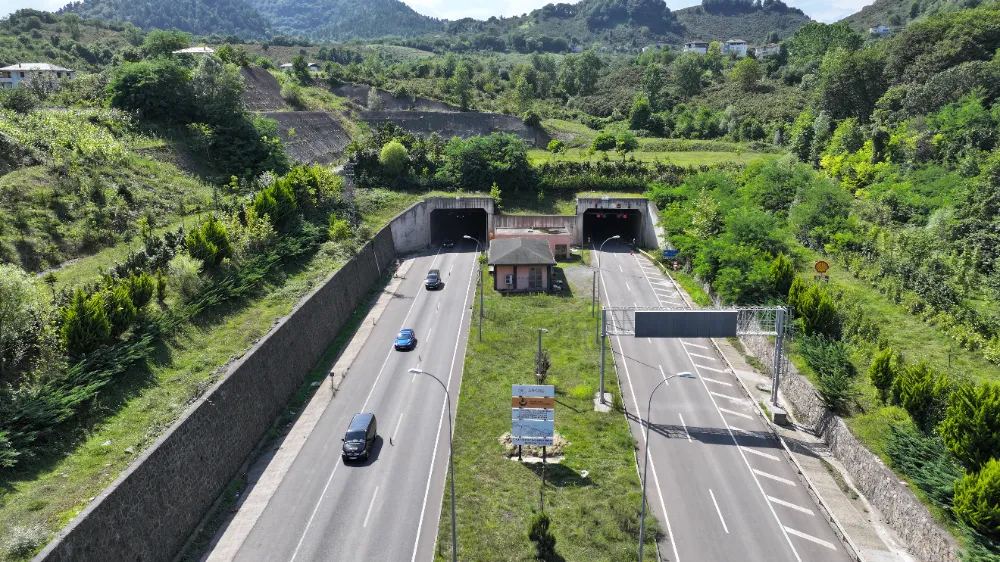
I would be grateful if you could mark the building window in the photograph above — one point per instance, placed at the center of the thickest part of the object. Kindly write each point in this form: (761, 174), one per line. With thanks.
(534, 278)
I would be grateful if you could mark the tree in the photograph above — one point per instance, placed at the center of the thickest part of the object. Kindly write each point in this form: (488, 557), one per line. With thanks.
(340, 229)
(71, 22)
(460, 84)
(18, 100)
(556, 146)
(604, 141)
(300, 70)
(120, 309)
(847, 138)
(218, 90)
(882, 372)
(140, 288)
(812, 41)
(394, 158)
(276, 201)
(159, 89)
(638, 117)
(652, 84)
(782, 274)
(85, 323)
(815, 310)
(687, 73)
(159, 43)
(977, 499)
(496, 196)
(588, 68)
(971, 426)
(23, 309)
(922, 392)
(850, 83)
(209, 243)
(478, 162)
(625, 143)
(747, 72)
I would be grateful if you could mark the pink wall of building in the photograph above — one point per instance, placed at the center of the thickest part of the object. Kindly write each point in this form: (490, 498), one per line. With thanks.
(553, 239)
(520, 277)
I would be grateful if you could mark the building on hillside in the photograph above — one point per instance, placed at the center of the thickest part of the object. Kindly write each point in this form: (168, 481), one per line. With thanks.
(878, 29)
(286, 66)
(760, 51)
(737, 46)
(558, 239)
(654, 46)
(314, 67)
(201, 50)
(699, 47)
(520, 264)
(13, 75)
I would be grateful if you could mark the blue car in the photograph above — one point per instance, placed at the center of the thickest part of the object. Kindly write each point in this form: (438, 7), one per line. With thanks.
(406, 339)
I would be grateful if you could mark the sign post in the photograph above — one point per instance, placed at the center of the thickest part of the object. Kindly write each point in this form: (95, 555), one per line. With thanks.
(532, 421)
(821, 268)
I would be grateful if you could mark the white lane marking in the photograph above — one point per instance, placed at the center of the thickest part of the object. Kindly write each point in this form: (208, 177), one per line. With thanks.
(704, 357)
(719, 511)
(444, 405)
(649, 340)
(315, 509)
(627, 287)
(429, 332)
(370, 506)
(652, 465)
(664, 375)
(684, 425)
(802, 535)
(707, 368)
(791, 505)
(693, 344)
(740, 414)
(730, 398)
(760, 453)
(706, 379)
(399, 422)
(620, 268)
(773, 477)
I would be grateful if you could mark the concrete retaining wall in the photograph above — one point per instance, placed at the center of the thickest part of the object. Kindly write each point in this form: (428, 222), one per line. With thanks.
(536, 221)
(359, 95)
(152, 508)
(311, 136)
(464, 125)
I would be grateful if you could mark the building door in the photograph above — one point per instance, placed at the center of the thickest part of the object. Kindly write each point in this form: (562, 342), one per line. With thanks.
(535, 278)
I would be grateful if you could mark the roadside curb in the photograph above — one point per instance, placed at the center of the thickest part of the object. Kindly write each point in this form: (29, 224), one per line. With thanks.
(839, 530)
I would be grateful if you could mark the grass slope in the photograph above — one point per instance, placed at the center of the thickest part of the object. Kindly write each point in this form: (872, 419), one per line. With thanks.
(594, 517)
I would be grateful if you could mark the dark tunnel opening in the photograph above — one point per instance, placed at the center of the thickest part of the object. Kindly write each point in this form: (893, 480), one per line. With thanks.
(453, 224)
(601, 224)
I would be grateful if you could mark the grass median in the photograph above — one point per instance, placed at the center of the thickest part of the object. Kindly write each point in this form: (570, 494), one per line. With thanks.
(593, 495)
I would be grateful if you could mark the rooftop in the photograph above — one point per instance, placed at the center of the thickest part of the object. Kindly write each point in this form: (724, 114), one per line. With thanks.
(40, 66)
(520, 251)
(195, 51)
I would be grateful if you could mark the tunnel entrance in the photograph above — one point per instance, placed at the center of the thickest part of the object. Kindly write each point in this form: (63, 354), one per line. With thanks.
(453, 224)
(601, 224)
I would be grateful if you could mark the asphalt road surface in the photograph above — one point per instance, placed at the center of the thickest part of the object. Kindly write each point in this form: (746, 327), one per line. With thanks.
(718, 482)
(386, 508)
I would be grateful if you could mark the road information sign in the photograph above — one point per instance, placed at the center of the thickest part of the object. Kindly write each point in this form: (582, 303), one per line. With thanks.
(667, 254)
(533, 414)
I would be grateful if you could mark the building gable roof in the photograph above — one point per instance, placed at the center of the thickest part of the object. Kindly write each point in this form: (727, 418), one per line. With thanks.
(37, 66)
(520, 251)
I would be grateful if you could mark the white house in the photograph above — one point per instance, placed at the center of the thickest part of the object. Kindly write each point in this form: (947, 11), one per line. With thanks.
(11, 76)
(286, 66)
(765, 50)
(195, 51)
(314, 67)
(737, 46)
(878, 29)
(700, 47)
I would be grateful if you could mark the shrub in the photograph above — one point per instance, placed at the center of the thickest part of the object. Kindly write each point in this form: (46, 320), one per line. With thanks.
(625, 143)
(161, 285)
(782, 274)
(977, 499)
(24, 541)
(814, 308)
(140, 288)
(556, 146)
(340, 229)
(22, 304)
(924, 460)
(120, 309)
(85, 323)
(882, 372)
(641, 111)
(252, 235)
(604, 141)
(394, 158)
(971, 426)
(532, 119)
(18, 100)
(545, 541)
(922, 392)
(184, 276)
(277, 201)
(209, 243)
(834, 370)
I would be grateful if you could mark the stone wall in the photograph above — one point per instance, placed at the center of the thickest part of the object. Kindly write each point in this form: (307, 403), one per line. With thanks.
(903, 512)
(150, 510)
(464, 125)
(359, 95)
(311, 136)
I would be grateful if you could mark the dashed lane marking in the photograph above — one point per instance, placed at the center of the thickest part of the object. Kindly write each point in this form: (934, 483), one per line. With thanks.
(773, 477)
(802, 535)
(790, 505)
(709, 368)
(740, 414)
(730, 398)
(724, 383)
(703, 356)
(760, 453)
(693, 345)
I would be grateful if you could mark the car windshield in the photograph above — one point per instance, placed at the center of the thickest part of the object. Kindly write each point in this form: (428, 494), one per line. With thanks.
(404, 335)
(358, 435)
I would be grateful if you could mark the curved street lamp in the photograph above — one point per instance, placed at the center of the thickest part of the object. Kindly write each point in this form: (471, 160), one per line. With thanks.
(482, 282)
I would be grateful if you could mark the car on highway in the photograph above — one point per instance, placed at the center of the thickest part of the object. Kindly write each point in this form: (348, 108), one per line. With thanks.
(360, 437)
(433, 280)
(448, 243)
(406, 339)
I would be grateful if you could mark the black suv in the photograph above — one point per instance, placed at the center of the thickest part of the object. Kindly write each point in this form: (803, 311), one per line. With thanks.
(433, 279)
(360, 437)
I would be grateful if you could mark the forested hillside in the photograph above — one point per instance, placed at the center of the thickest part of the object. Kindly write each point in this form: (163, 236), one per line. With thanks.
(202, 17)
(343, 19)
(898, 13)
(32, 35)
(721, 20)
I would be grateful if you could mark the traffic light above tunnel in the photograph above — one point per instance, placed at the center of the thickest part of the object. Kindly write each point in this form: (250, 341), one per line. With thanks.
(601, 224)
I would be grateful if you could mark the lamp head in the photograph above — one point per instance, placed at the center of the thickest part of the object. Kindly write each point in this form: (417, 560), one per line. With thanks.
(467, 237)
(416, 371)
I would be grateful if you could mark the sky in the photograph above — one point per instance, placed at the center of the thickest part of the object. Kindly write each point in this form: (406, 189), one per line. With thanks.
(827, 11)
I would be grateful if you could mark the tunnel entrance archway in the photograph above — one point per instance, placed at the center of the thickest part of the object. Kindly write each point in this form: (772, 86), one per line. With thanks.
(601, 224)
(455, 223)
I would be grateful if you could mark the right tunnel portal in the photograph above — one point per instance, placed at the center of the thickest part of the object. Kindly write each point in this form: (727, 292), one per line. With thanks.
(601, 224)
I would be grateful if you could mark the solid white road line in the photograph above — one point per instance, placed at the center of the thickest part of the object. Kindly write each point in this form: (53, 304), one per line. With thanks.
(760, 453)
(693, 344)
(627, 287)
(684, 425)
(399, 422)
(791, 505)
(620, 268)
(664, 375)
(773, 477)
(444, 406)
(370, 506)
(724, 383)
(703, 357)
(740, 414)
(707, 368)
(802, 535)
(730, 398)
(719, 511)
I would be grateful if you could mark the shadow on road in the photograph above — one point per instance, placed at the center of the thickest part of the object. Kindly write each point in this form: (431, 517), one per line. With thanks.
(372, 457)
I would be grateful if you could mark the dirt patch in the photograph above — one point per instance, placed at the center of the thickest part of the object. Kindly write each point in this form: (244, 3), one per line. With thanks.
(311, 136)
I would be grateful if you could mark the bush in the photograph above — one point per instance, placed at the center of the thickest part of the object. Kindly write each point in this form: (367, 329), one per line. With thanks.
(294, 95)
(882, 372)
(834, 370)
(120, 309)
(545, 541)
(923, 393)
(161, 285)
(782, 274)
(277, 201)
(85, 323)
(532, 119)
(814, 308)
(252, 235)
(604, 141)
(22, 311)
(971, 426)
(394, 158)
(924, 460)
(140, 288)
(556, 146)
(340, 229)
(977, 499)
(209, 243)
(185, 275)
(22, 542)
(18, 100)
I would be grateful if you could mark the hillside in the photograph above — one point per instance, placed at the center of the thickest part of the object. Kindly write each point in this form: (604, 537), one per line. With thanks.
(201, 17)
(31, 35)
(345, 19)
(897, 13)
(715, 21)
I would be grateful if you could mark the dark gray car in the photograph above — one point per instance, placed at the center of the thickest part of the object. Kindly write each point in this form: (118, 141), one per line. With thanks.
(360, 437)
(433, 280)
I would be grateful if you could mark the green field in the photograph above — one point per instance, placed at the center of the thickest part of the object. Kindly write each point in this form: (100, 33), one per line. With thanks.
(681, 158)
(594, 517)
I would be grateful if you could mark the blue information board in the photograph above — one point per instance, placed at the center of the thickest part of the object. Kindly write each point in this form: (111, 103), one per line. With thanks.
(667, 254)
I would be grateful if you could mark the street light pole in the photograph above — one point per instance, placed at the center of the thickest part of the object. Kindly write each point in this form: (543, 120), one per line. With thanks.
(481, 285)
(451, 464)
(645, 462)
(538, 368)
(597, 291)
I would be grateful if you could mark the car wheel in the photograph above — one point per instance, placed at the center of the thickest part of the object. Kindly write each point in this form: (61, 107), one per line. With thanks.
(366, 457)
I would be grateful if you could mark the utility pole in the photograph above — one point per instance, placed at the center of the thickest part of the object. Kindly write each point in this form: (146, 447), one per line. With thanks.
(481, 288)
(593, 294)
(779, 328)
(604, 333)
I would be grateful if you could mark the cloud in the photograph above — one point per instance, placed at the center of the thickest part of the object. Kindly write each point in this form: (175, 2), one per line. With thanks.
(10, 6)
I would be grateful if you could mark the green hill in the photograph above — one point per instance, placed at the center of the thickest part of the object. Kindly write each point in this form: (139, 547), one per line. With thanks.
(719, 20)
(35, 36)
(345, 19)
(201, 17)
(898, 13)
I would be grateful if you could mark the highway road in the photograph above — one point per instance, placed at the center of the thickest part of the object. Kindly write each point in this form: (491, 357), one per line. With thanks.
(387, 508)
(718, 482)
